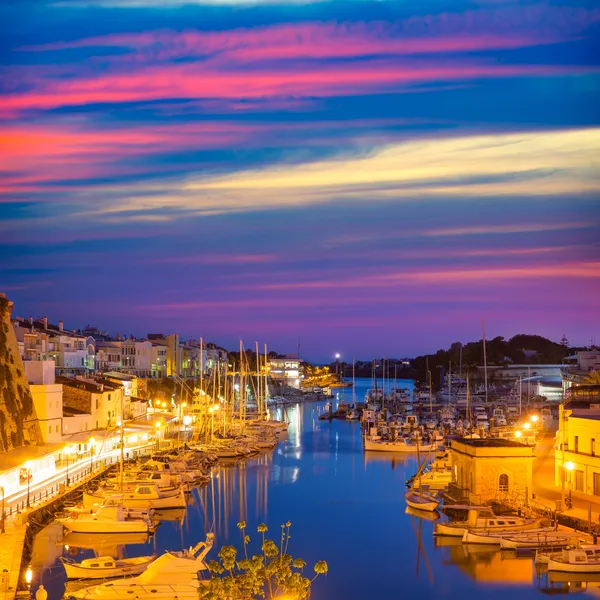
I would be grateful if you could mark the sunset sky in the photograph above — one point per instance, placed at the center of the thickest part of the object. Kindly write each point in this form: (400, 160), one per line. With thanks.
(373, 178)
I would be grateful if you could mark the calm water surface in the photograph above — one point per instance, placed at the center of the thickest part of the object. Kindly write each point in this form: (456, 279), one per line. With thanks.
(345, 507)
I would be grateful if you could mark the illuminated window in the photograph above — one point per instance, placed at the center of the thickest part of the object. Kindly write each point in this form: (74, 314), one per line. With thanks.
(503, 483)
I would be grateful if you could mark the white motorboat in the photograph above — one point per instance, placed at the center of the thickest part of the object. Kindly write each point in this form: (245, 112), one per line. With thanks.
(105, 567)
(483, 520)
(171, 575)
(421, 500)
(532, 541)
(106, 520)
(577, 560)
(401, 445)
(496, 538)
(141, 496)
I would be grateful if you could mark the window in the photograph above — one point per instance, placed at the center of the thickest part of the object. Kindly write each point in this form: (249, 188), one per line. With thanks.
(593, 447)
(579, 481)
(576, 444)
(503, 483)
(50, 429)
(596, 484)
(57, 429)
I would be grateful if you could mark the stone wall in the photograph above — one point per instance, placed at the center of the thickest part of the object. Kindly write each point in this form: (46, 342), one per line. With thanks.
(18, 420)
(77, 399)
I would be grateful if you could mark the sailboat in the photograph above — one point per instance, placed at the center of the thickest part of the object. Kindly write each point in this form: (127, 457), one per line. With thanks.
(421, 500)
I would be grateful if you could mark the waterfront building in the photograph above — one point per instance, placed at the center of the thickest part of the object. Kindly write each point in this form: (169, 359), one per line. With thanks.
(576, 368)
(491, 469)
(577, 455)
(287, 370)
(100, 399)
(47, 398)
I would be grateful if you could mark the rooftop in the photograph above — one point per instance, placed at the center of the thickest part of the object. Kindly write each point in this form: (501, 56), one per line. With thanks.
(490, 443)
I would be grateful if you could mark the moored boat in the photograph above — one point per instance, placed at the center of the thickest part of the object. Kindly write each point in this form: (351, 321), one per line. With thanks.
(105, 567)
(577, 560)
(421, 500)
(141, 496)
(106, 520)
(171, 575)
(401, 445)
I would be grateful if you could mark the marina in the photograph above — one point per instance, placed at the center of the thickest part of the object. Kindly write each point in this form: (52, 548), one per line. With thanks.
(320, 478)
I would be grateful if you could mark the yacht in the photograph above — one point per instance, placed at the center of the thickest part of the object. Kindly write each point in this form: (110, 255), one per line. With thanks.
(105, 567)
(482, 519)
(171, 575)
(106, 520)
(141, 496)
(577, 560)
(400, 445)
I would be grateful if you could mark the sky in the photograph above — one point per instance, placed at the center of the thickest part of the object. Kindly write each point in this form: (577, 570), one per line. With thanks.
(363, 178)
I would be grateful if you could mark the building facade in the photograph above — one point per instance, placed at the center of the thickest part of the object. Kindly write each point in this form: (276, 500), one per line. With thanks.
(492, 469)
(287, 370)
(577, 453)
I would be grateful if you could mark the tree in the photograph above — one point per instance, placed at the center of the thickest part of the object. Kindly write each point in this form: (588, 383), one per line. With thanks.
(564, 341)
(593, 378)
(271, 574)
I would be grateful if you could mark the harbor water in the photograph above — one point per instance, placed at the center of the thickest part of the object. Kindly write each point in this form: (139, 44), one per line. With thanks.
(346, 507)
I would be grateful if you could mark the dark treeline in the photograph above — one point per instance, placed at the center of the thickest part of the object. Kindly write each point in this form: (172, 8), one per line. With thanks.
(520, 349)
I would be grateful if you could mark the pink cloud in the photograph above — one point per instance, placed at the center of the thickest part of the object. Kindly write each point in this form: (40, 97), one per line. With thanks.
(196, 82)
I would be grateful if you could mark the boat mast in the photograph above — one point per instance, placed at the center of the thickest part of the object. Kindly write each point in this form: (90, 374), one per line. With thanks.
(484, 359)
(266, 384)
(353, 385)
(258, 386)
(121, 459)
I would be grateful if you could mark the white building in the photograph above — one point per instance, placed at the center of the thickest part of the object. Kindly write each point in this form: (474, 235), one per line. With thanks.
(73, 354)
(287, 370)
(47, 398)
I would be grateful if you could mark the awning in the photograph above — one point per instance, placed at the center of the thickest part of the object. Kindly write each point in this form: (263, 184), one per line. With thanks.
(19, 456)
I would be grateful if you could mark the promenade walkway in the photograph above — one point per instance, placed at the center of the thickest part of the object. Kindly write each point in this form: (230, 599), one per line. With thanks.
(549, 495)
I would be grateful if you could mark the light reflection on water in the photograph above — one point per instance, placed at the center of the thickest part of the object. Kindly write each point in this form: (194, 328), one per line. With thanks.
(346, 507)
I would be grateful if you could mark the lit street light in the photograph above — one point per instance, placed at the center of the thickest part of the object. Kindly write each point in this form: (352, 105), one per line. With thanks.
(158, 425)
(92, 444)
(28, 474)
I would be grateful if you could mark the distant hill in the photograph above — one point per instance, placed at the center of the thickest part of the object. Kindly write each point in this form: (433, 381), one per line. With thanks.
(520, 349)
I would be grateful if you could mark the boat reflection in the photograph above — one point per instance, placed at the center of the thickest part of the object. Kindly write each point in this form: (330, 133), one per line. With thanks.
(170, 514)
(103, 545)
(422, 514)
(554, 582)
(488, 565)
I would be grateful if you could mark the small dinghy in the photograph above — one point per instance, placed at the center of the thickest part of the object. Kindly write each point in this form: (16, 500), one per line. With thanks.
(105, 567)
(421, 501)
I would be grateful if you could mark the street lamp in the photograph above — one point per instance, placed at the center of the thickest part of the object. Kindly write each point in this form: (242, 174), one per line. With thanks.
(526, 425)
(68, 450)
(29, 577)
(158, 425)
(92, 444)
(28, 474)
(518, 434)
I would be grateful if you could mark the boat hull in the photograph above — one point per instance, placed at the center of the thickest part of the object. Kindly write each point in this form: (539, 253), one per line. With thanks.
(564, 567)
(449, 530)
(421, 502)
(174, 501)
(126, 568)
(106, 527)
(380, 446)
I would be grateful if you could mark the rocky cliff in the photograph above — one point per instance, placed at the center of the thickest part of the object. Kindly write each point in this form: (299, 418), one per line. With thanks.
(18, 421)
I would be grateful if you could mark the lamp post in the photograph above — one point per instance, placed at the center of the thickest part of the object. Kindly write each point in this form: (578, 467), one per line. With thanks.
(29, 578)
(67, 452)
(187, 420)
(28, 474)
(158, 425)
(92, 444)
(337, 366)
